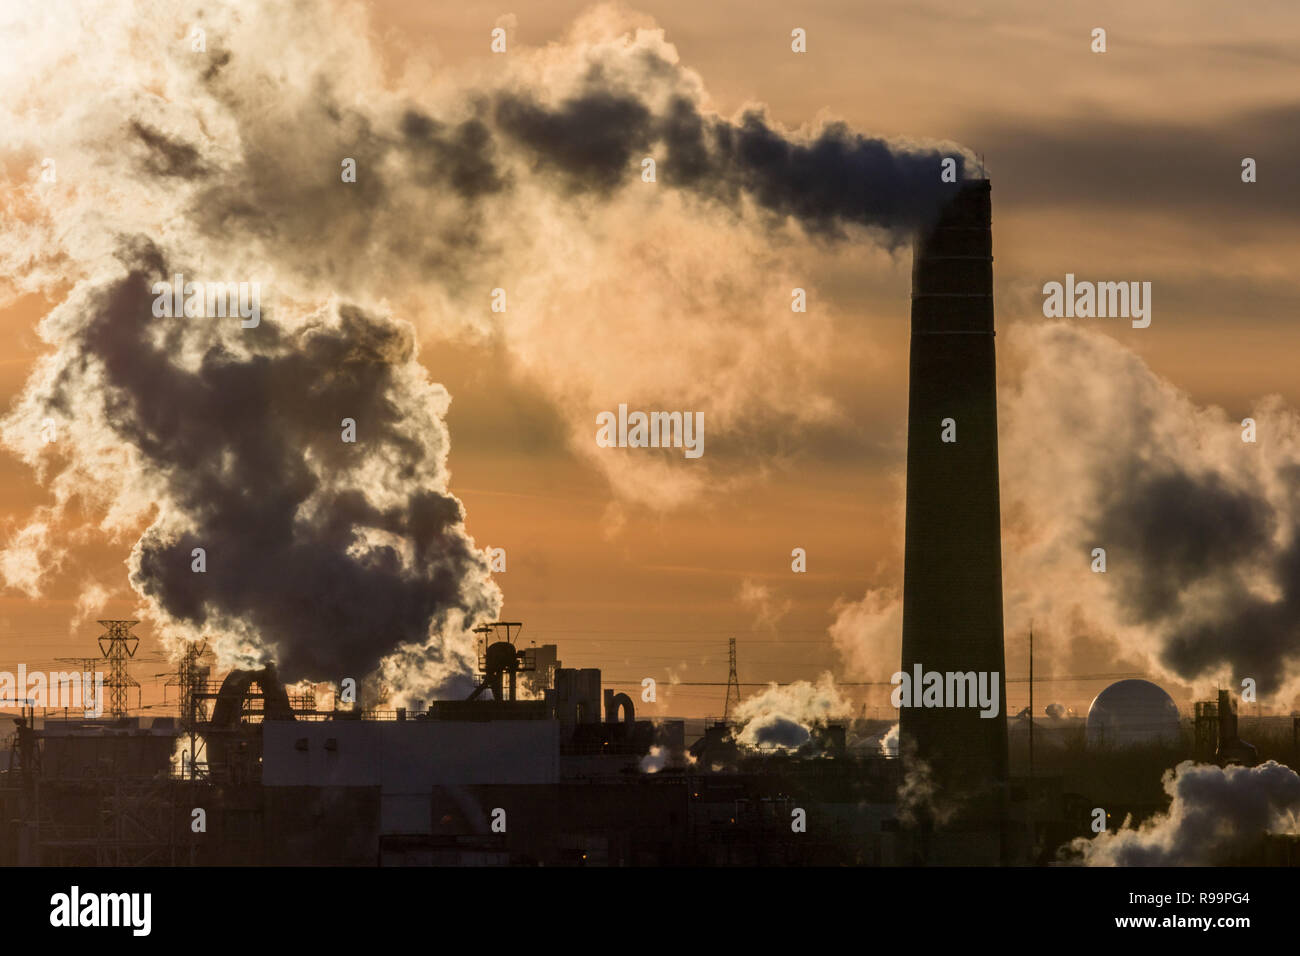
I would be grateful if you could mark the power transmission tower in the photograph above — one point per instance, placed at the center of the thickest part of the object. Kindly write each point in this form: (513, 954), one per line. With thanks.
(118, 647)
(733, 684)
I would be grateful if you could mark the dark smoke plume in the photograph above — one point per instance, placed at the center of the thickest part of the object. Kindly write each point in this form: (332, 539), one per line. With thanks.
(336, 558)
(327, 554)
(834, 179)
(1201, 529)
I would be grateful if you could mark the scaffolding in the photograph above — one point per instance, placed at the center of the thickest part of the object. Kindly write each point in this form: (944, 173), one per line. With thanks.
(191, 675)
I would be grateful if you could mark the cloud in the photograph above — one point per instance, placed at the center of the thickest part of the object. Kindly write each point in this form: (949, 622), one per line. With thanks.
(763, 603)
(322, 554)
(1216, 815)
(782, 716)
(868, 633)
(919, 797)
(655, 760)
(774, 731)
(30, 556)
(90, 602)
(889, 742)
(1201, 529)
(524, 177)
(1179, 165)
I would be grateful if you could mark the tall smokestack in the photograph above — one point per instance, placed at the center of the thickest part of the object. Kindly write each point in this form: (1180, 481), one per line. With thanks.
(952, 577)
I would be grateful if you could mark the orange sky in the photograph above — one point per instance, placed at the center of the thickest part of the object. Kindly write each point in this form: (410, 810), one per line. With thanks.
(1098, 165)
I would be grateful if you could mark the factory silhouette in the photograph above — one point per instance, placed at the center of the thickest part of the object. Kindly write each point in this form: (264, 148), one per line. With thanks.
(543, 765)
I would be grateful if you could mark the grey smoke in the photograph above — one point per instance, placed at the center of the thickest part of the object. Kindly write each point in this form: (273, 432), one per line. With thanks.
(589, 144)
(836, 178)
(918, 797)
(244, 443)
(164, 157)
(1216, 815)
(1174, 527)
(775, 731)
(1201, 529)
(336, 558)
(783, 716)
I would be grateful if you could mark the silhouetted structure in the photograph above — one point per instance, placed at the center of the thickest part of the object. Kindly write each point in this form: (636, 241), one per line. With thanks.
(952, 582)
(118, 646)
(733, 682)
(1232, 749)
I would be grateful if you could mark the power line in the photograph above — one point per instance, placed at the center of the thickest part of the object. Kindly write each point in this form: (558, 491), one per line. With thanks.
(868, 683)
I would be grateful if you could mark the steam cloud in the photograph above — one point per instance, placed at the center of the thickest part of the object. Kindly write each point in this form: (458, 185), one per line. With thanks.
(1201, 530)
(341, 560)
(325, 554)
(1215, 816)
(782, 716)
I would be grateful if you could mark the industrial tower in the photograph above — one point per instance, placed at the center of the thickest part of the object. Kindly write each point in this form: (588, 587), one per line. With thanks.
(952, 575)
(733, 683)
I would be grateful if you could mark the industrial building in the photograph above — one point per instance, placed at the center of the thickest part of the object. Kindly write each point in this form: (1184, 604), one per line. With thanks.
(556, 779)
(542, 765)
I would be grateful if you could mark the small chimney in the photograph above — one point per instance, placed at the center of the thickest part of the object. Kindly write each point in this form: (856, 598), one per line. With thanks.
(1232, 749)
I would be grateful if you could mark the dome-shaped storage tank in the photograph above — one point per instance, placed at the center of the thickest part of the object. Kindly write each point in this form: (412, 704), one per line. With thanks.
(1130, 713)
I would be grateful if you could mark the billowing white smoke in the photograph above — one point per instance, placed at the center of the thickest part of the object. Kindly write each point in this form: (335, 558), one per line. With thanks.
(134, 152)
(265, 530)
(1201, 530)
(1199, 527)
(868, 633)
(524, 176)
(889, 742)
(1216, 815)
(782, 716)
(655, 760)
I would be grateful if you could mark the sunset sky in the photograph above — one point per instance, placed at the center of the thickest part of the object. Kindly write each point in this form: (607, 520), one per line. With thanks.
(1115, 166)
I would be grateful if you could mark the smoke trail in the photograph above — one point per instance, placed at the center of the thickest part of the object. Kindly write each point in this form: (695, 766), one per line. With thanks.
(1201, 529)
(761, 600)
(919, 798)
(834, 179)
(782, 716)
(229, 154)
(889, 742)
(1215, 816)
(328, 555)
